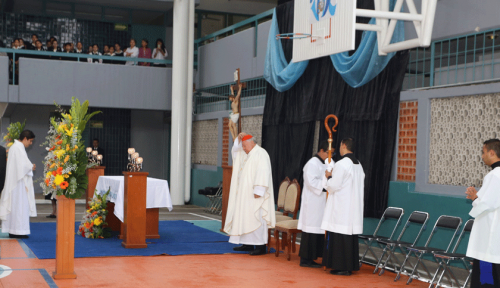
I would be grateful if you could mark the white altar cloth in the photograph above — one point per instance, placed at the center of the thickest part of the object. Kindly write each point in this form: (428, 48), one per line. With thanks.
(157, 195)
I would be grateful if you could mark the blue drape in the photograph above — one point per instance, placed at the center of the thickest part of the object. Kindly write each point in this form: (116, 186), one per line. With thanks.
(357, 69)
(277, 71)
(364, 64)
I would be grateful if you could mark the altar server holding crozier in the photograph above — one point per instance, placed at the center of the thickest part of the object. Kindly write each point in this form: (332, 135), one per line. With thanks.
(484, 241)
(17, 203)
(343, 217)
(250, 210)
(312, 208)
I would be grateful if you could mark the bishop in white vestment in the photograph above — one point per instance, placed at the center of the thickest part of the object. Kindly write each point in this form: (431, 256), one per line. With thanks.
(343, 217)
(17, 203)
(312, 208)
(484, 240)
(250, 210)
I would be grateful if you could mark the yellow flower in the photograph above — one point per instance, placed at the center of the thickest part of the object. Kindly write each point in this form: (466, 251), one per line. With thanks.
(67, 147)
(69, 132)
(61, 128)
(48, 175)
(66, 176)
(88, 211)
(10, 144)
(76, 147)
(58, 180)
(66, 159)
(97, 221)
(53, 165)
(59, 153)
(69, 117)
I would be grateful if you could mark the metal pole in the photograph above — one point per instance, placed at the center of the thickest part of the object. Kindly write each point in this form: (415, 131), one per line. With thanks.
(189, 100)
(179, 104)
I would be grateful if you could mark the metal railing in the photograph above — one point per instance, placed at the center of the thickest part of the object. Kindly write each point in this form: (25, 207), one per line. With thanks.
(457, 60)
(62, 56)
(230, 30)
(216, 98)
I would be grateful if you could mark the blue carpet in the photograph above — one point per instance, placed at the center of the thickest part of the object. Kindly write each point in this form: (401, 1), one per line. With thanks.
(176, 238)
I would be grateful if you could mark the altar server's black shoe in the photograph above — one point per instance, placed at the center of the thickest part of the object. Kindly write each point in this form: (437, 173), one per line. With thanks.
(244, 248)
(340, 272)
(259, 250)
(311, 264)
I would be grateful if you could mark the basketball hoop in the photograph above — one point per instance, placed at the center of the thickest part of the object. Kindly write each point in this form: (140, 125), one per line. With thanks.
(292, 36)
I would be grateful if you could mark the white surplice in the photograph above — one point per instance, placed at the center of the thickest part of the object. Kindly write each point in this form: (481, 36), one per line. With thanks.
(18, 196)
(484, 241)
(248, 218)
(344, 207)
(313, 201)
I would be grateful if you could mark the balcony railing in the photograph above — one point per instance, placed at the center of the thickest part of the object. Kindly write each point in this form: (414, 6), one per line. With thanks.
(16, 53)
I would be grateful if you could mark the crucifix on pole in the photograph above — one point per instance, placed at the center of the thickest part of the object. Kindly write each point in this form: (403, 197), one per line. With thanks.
(234, 124)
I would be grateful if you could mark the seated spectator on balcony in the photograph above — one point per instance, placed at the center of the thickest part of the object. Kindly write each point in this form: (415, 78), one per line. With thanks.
(32, 45)
(21, 44)
(159, 53)
(48, 45)
(72, 47)
(67, 49)
(119, 52)
(131, 52)
(144, 52)
(39, 48)
(105, 52)
(79, 50)
(55, 48)
(95, 51)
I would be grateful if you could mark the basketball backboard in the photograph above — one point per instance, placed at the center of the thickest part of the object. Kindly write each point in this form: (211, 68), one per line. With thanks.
(326, 27)
(331, 23)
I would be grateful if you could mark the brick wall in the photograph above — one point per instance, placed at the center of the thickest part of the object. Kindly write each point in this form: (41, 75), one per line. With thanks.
(407, 142)
(225, 141)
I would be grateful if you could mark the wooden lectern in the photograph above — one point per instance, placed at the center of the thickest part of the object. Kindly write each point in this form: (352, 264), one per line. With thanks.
(227, 173)
(65, 239)
(93, 175)
(134, 218)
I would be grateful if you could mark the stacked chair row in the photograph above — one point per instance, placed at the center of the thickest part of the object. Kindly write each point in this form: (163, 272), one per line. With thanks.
(406, 244)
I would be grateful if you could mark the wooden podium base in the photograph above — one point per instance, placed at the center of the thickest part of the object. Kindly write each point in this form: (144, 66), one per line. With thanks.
(152, 222)
(93, 175)
(134, 218)
(65, 239)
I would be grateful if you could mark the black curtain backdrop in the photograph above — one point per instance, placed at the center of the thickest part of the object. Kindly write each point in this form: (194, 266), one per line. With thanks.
(369, 114)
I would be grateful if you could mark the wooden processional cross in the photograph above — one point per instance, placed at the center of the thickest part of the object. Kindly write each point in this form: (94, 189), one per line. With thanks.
(237, 79)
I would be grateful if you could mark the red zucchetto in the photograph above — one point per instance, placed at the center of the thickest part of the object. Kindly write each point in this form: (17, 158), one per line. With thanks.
(247, 137)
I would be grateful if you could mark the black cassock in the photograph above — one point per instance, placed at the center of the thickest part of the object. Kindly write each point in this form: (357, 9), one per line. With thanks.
(311, 245)
(341, 252)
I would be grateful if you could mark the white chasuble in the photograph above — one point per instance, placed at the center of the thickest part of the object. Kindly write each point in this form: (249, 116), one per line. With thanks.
(247, 217)
(18, 196)
(484, 241)
(344, 207)
(313, 201)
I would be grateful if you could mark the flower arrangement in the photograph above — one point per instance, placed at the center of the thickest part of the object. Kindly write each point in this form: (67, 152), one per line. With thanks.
(66, 161)
(94, 220)
(13, 132)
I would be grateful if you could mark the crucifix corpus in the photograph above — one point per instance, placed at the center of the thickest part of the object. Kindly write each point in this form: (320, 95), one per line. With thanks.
(234, 124)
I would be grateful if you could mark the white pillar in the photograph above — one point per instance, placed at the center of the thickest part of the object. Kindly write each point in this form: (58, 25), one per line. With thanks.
(179, 104)
(189, 100)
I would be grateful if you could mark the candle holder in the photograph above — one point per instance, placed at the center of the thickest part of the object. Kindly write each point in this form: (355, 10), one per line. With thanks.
(93, 156)
(134, 161)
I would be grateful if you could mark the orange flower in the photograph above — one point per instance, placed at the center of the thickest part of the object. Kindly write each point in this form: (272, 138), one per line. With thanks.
(94, 213)
(59, 142)
(52, 148)
(64, 185)
(47, 182)
(58, 136)
(54, 173)
(59, 170)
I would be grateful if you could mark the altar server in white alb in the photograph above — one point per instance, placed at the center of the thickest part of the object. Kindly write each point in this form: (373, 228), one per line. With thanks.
(18, 196)
(484, 241)
(343, 218)
(250, 210)
(312, 208)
